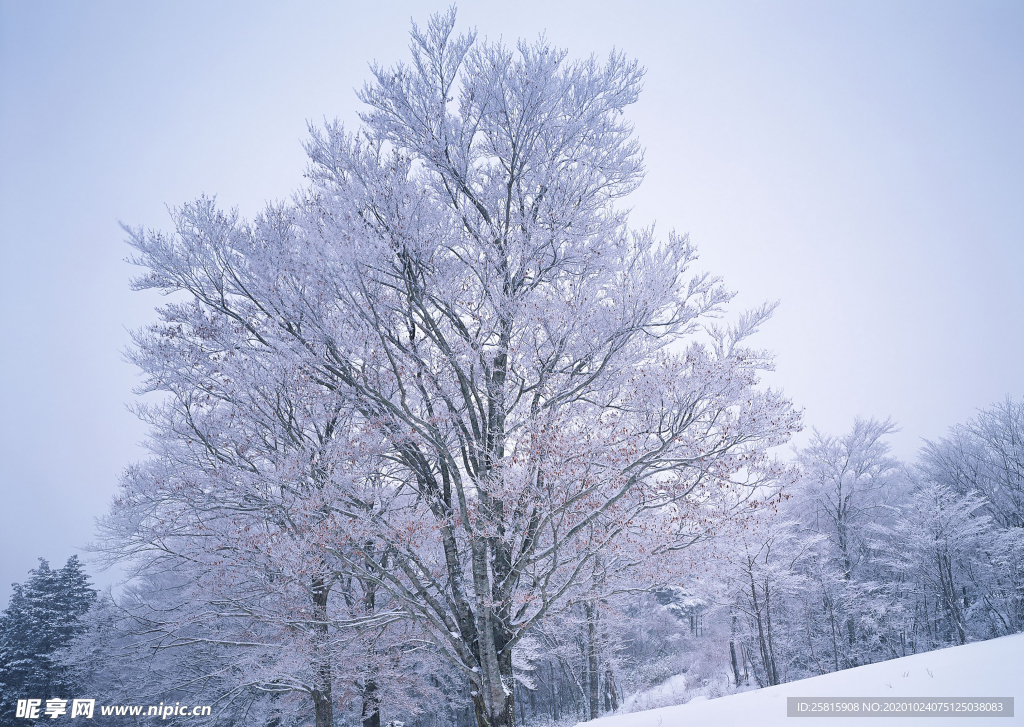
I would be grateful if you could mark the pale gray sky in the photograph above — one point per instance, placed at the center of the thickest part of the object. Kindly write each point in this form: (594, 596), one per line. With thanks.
(862, 162)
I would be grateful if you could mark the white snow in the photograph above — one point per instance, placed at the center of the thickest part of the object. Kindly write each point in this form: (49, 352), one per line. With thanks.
(983, 669)
(671, 691)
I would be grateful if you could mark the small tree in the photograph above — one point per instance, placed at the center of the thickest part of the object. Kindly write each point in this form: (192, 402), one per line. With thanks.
(941, 535)
(985, 458)
(228, 526)
(847, 483)
(845, 493)
(984, 455)
(766, 575)
(43, 616)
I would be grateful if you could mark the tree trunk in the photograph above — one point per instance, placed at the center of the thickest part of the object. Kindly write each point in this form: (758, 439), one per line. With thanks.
(371, 707)
(494, 706)
(370, 713)
(495, 700)
(830, 608)
(611, 699)
(762, 643)
(771, 639)
(949, 596)
(555, 711)
(491, 561)
(732, 651)
(590, 611)
(323, 704)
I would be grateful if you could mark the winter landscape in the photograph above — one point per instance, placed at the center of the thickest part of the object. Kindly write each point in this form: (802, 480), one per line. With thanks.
(987, 667)
(449, 434)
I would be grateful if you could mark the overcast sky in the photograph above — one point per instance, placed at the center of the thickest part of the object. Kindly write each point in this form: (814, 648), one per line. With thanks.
(862, 162)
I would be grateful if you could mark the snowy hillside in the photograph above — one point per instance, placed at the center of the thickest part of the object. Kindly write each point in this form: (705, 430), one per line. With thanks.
(984, 669)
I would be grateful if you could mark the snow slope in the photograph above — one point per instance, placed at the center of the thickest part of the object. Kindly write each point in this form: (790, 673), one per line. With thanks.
(983, 669)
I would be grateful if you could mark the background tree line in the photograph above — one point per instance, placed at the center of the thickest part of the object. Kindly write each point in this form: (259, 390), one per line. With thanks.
(863, 558)
(871, 559)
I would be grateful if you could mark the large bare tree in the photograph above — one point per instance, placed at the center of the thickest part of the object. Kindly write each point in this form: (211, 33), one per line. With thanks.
(544, 390)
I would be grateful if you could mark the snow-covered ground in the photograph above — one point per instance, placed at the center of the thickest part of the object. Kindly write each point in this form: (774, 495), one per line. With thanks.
(984, 669)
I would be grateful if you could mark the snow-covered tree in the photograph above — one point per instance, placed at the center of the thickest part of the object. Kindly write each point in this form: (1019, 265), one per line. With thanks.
(766, 579)
(527, 384)
(862, 559)
(846, 494)
(985, 455)
(163, 641)
(984, 458)
(230, 531)
(940, 534)
(847, 483)
(1000, 596)
(43, 616)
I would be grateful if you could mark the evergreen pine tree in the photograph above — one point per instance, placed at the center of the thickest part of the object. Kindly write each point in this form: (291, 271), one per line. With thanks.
(43, 615)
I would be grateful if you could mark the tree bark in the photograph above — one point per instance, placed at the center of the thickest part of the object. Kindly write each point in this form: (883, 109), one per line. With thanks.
(611, 698)
(370, 713)
(371, 707)
(761, 642)
(732, 652)
(323, 704)
(495, 698)
(555, 712)
(590, 611)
